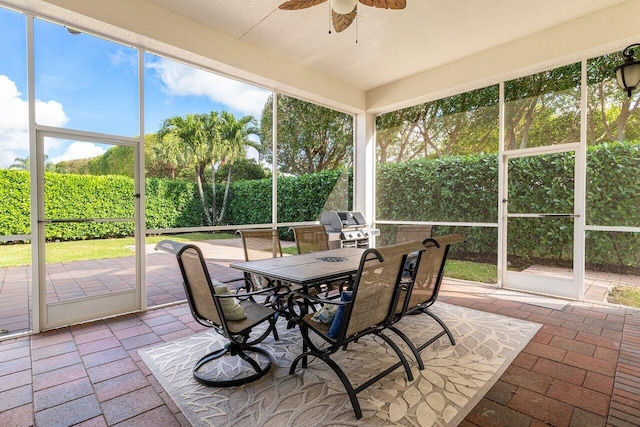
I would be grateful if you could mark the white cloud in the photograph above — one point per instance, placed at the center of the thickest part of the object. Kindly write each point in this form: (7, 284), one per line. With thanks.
(14, 121)
(128, 58)
(79, 150)
(183, 80)
(51, 113)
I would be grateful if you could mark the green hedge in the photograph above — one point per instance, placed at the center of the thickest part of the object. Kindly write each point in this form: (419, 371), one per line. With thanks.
(613, 185)
(87, 196)
(449, 189)
(15, 214)
(300, 198)
(464, 189)
(170, 204)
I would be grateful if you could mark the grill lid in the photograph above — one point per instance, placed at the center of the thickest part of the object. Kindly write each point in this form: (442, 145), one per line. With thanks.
(341, 220)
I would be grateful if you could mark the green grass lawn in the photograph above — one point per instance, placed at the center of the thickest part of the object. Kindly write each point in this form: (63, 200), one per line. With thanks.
(291, 250)
(625, 295)
(17, 255)
(473, 271)
(57, 252)
(463, 270)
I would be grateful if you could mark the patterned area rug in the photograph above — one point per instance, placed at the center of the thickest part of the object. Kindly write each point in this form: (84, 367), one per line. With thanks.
(455, 378)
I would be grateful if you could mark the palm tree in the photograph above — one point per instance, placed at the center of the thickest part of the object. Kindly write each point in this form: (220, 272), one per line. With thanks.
(169, 153)
(232, 145)
(207, 140)
(20, 163)
(23, 164)
(213, 124)
(191, 134)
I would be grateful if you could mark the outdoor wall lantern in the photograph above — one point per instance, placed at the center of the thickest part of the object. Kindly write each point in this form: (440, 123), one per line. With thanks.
(628, 74)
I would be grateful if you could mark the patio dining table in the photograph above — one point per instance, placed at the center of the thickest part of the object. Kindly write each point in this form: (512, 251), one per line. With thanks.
(306, 269)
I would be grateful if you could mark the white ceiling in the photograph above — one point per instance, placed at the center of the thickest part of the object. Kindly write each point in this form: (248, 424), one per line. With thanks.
(392, 44)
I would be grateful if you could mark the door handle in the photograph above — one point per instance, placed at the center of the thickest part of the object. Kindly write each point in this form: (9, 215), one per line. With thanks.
(55, 221)
(73, 220)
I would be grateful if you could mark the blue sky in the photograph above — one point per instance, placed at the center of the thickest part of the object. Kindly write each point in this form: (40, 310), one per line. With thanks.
(87, 83)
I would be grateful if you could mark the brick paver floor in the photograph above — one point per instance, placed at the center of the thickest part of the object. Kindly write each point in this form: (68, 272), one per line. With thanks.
(79, 279)
(164, 283)
(581, 369)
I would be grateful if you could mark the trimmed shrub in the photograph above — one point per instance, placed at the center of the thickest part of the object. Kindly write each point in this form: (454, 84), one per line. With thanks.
(15, 215)
(449, 189)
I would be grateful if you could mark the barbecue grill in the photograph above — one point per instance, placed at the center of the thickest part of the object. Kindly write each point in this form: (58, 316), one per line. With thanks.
(345, 229)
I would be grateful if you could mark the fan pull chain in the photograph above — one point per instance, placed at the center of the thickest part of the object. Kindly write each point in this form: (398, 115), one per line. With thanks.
(330, 19)
(357, 19)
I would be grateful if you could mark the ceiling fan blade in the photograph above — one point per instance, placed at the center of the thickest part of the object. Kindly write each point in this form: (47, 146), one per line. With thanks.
(341, 22)
(299, 4)
(385, 4)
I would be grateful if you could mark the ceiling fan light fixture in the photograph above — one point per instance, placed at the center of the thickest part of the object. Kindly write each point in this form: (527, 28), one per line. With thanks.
(343, 7)
(343, 12)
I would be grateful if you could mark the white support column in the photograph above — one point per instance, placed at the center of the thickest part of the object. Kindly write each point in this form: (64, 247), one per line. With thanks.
(274, 159)
(364, 166)
(140, 211)
(580, 192)
(38, 298)
(502, 195)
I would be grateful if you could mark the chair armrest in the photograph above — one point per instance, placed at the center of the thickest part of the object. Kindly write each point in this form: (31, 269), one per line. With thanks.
(271, 290)
(239, 279)
(316, 300)
(294, 298)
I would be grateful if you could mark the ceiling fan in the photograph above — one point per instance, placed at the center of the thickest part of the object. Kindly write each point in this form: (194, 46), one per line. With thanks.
(343, 12)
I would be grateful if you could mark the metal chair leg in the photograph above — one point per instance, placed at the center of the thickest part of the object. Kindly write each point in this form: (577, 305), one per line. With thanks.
(446, 329)
(233, 350)
(412, 347)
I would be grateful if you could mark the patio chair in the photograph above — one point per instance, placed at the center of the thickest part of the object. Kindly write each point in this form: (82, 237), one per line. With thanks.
(412, 232)
(407, 233)
(365, 310)
(310, 238)
(422, 289)
(240, 361)
(313, 238)
(259, 244)
(264, 244)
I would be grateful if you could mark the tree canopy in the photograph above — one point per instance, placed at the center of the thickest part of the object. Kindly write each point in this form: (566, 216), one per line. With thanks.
(311, 138)
(24, 163)
(118, 160)
(461, 124)
(540, 110)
